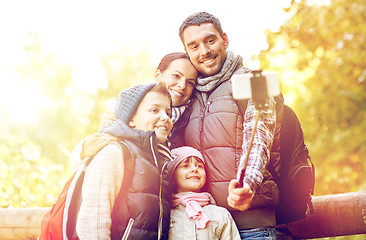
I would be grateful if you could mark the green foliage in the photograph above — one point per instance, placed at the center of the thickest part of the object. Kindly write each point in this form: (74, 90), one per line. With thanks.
(28, 178)
(319, 54)
(34, 155)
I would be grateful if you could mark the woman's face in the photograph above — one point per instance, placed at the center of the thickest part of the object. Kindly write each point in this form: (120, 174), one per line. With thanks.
(180, 78)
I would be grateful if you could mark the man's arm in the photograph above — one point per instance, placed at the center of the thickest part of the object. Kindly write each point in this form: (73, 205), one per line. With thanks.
(262, 143)
(259, 156)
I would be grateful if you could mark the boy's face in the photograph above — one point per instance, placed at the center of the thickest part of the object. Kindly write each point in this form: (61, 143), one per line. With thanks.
(153, 114)
(180, 79)
(190, 175)
(206, 48)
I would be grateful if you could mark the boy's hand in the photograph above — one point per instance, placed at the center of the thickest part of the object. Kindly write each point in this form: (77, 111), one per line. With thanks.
(239, 198)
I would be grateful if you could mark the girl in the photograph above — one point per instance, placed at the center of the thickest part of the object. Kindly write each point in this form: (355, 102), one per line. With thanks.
(194, 213)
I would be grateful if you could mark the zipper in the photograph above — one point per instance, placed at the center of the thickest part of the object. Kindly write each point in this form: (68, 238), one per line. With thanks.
(160, 223)
(128, 229)
(208, 106)
(201, 117)
(153, 152)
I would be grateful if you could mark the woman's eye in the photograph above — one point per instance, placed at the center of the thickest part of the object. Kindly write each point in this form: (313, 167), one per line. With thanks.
(176, 76)
(190, 83)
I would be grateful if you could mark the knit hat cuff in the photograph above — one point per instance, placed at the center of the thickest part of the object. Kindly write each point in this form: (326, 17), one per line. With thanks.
(129, 99)
(181, 154)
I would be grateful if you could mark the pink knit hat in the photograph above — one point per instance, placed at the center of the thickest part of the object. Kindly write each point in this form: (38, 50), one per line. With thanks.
(181, 154)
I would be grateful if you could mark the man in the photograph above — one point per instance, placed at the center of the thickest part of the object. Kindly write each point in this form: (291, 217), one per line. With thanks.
(221, 130)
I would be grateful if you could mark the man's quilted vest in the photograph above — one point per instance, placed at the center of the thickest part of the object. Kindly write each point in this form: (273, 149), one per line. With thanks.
(216, 129)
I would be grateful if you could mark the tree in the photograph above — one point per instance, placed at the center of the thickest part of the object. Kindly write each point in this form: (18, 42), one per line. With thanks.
(35, 155)
(319, 54)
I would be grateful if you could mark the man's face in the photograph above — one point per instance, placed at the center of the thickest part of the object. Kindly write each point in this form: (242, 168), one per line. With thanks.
(206, 48)
(153, 114)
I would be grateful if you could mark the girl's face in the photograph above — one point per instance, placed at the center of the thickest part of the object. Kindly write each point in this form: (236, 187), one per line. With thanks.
(190, 175)
(180, 78)
(153, 114)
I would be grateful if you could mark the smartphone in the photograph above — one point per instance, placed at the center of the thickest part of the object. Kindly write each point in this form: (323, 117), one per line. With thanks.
(242, 88)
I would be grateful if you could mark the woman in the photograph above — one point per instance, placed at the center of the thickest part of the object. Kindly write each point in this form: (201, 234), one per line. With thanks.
(179, 75)
(177, 72)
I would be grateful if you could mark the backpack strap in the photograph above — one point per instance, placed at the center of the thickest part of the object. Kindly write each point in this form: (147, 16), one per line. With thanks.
(288, 137)
(75, 203)
(76, 196)
(129, 165)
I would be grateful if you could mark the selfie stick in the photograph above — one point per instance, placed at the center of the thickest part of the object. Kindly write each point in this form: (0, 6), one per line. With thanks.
(259, 97)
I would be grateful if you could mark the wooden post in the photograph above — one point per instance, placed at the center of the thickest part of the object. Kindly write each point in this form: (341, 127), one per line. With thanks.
(21, 223)
(334, 215)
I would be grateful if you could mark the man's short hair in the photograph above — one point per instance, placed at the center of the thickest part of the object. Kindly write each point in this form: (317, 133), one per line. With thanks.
(197, 19)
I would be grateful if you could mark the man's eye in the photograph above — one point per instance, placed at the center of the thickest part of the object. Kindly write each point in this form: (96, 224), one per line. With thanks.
(194, 47)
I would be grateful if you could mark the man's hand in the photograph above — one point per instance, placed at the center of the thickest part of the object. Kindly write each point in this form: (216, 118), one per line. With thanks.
(239, 198)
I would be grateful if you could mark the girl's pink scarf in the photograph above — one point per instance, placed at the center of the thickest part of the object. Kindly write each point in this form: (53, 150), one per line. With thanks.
(194, 203)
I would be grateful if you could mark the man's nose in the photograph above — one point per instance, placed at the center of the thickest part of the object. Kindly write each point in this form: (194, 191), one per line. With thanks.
(205, 50)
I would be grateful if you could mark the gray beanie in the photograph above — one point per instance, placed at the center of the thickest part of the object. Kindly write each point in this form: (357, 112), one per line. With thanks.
(129, 99)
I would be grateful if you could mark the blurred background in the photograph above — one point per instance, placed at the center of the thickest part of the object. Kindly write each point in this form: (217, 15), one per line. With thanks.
(63, 63)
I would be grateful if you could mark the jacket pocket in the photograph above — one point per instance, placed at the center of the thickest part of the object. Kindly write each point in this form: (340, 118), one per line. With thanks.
(267, 195)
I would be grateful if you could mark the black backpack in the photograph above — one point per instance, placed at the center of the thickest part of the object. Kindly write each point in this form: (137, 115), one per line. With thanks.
(295, 177)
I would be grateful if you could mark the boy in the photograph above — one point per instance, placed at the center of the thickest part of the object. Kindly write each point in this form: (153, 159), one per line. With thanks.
(119, 188)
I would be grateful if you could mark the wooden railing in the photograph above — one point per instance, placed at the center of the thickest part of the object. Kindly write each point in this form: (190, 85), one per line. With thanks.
(334, 215)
